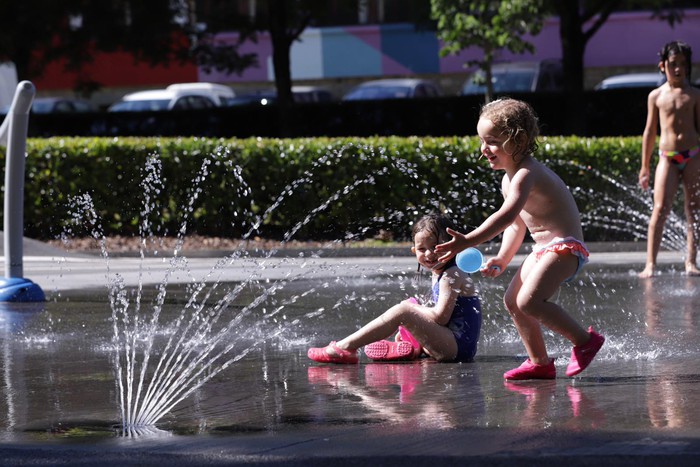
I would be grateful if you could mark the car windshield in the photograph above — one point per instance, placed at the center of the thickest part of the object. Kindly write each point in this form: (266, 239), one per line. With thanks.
(379, 92)
(631, 84)
(140, 106)
(40, 107)
(250, 99)
(510, 81)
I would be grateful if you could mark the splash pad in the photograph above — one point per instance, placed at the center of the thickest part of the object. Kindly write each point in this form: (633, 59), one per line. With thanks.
(264, 385)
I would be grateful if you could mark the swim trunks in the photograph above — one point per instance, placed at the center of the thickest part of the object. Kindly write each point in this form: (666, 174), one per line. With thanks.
(565, 245)
(680, 158)
(465, 323)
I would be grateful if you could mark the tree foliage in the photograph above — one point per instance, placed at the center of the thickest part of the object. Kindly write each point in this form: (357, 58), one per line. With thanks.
(203, 21)
(490, 25)
(34, 33)
(578, 22)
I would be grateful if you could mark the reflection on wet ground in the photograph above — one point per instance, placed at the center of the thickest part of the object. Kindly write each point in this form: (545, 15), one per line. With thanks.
(58, 370)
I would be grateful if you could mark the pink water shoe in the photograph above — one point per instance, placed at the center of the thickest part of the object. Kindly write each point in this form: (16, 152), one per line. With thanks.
(406, 336)
(529, 370)
(336, 354)
(391, 351)
(582, 355)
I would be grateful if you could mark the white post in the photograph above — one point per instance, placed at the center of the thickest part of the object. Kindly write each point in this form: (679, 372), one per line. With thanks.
(14, 129)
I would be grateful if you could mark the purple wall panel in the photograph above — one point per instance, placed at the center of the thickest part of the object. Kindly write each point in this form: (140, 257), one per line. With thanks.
(635, 39)
(626, 39)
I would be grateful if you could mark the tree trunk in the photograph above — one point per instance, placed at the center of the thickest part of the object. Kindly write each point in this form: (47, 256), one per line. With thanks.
(573, 44)
(281, 46)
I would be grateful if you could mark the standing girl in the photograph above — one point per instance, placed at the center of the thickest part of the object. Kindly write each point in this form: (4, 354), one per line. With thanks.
(447, 330)
(537, 200)
(674, 107)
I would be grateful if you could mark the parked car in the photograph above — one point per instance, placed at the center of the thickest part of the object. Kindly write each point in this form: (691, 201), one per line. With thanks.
(254, 98)
(301, 94)
(405, 88)
(47, 105)
(632, 80)
(161, 100)
(304, 94)
(219, 93)
(182, 96)
(52, 105)
(516, 77)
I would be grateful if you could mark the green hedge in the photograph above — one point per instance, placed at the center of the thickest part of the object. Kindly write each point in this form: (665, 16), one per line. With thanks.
(320, 188)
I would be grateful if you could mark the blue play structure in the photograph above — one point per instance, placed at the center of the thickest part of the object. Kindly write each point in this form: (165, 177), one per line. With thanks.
(13, 133)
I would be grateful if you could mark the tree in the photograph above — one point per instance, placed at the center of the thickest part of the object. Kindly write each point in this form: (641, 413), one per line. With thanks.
(490, 25)
(284, 20)
(578, 23)
(287, 20)
(34, 33)
(204, 20)
(580, 20)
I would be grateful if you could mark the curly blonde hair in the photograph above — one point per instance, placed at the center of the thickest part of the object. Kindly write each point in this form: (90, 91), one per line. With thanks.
(517, 121)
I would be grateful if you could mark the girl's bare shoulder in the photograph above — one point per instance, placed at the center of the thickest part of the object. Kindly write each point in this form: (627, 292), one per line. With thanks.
(459, 280)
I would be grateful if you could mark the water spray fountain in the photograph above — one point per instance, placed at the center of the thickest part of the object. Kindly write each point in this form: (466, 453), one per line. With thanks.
(155, 372)
(158, 362)
(161, 360)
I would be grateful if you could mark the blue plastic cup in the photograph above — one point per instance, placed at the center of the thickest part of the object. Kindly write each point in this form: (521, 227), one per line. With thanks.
(470, 260)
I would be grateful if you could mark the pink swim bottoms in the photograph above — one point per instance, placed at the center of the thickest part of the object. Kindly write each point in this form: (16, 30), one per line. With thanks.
(565, 245)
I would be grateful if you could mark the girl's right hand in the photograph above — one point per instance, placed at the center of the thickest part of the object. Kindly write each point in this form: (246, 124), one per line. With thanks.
(493, 267)
(644, 179)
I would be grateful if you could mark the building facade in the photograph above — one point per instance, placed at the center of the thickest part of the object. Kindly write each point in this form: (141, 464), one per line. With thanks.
(341, 56)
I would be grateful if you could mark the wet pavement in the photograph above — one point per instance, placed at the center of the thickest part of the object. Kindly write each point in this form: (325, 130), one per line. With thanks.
(635, 405)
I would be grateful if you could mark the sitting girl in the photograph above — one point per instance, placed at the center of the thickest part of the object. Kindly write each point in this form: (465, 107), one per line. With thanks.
(447, 331)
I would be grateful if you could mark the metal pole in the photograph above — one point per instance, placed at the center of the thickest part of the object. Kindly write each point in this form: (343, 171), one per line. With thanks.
(14, 177)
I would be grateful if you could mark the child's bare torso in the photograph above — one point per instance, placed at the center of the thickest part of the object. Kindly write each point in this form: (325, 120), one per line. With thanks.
(550, 210)
(677, 107)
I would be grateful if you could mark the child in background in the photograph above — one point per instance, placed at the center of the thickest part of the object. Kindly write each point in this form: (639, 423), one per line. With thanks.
(675, 107)
(447, 331)
(536, 199)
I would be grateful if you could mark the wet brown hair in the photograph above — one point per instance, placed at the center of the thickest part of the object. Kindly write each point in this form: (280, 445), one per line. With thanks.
(676, 48)
(517, 121)
(436, 224)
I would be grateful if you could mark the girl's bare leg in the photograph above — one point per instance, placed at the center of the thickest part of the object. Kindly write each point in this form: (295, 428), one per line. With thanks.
(527, 326)
(528, 303)
(437, 340)
(666, 180)
(691, 186)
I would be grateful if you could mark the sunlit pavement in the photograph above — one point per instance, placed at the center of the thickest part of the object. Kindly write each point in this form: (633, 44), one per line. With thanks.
(54, 270)
(350, 444)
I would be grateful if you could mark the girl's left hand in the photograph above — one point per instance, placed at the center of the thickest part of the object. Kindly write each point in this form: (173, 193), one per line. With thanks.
(449, 250)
